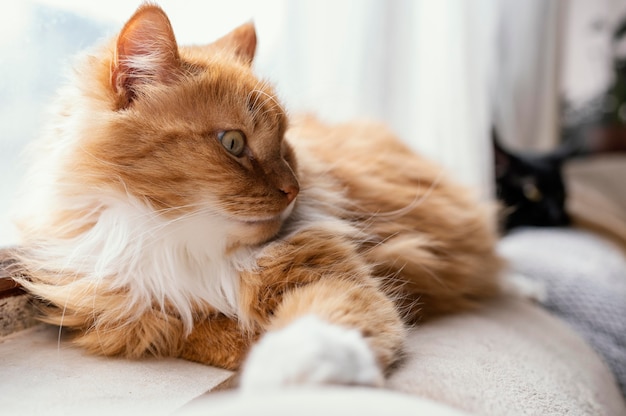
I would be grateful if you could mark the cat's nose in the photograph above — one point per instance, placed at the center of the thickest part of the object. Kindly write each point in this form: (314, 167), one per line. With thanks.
(285, 180)
(290, 190)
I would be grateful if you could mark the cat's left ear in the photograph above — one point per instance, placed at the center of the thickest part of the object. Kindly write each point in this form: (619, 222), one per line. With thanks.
(241, 42)
(565, 151)
(146, 53)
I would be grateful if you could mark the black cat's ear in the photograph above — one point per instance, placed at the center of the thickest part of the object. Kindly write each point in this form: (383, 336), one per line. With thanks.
(146, 53)
(565, 151)
(241, 42)
(502, 158)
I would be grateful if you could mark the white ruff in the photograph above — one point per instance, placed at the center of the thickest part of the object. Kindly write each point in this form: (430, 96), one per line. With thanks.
(177, 261)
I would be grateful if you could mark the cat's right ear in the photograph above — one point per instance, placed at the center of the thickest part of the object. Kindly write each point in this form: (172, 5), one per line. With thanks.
(146, 53)
(241, 42)
(502, 158)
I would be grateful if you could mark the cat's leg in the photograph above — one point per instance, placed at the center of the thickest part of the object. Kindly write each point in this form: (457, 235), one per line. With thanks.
(332, 331)
(219, 341)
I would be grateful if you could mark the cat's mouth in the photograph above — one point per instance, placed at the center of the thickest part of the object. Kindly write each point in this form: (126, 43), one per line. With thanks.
(269, 219)
(256, 230)
(261, 220)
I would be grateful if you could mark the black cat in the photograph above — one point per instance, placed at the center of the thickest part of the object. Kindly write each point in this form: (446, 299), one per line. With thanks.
(531, 187)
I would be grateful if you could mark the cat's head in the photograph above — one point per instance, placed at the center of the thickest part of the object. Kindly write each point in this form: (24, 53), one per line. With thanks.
(531, 187)
(188, 131)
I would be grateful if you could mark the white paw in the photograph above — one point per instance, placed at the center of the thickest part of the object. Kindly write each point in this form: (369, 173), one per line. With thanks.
(310, 352)
(521, 286)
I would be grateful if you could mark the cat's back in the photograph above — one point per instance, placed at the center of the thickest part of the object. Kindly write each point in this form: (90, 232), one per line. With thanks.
(373, 165)
(427, 228)
(351, 143)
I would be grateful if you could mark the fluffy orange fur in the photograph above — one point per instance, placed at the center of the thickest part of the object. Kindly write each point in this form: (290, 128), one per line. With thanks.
(343, 222)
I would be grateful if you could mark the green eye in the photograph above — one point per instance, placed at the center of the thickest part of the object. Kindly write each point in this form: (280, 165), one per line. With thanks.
(531, 191)
(233, 140)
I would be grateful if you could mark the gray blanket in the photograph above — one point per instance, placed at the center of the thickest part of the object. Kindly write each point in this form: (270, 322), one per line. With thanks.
(585, 281)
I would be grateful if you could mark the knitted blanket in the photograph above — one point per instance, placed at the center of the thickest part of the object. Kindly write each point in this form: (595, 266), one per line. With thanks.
(585, 281)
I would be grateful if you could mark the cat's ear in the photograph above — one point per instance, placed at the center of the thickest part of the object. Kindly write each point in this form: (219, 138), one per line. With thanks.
(565, 151)
(502, 158)
(241, 42)
(146, 53)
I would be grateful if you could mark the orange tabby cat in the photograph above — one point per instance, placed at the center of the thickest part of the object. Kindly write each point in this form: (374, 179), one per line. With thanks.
(174, 209)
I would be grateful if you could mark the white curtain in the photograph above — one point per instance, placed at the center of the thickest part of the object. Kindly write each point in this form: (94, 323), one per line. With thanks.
(527, 85)
(587, 48)
(423, 67)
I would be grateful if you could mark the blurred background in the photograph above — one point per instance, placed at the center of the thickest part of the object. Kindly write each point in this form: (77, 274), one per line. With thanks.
(439, 72)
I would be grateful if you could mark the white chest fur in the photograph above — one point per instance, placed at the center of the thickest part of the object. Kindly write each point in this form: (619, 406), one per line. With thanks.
(164, 261)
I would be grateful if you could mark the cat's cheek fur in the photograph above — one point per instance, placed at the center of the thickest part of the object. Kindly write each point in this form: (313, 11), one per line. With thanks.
(311, 351)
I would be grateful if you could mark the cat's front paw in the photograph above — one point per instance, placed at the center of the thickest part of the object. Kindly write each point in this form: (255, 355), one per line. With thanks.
(311, 352)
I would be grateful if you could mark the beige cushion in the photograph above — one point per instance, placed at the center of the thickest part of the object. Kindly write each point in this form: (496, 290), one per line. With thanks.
(510, 358)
